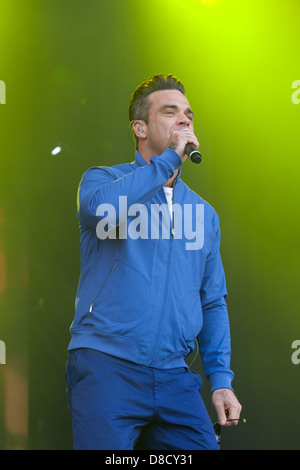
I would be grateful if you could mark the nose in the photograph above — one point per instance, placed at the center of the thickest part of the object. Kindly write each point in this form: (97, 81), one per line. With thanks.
(183, 120)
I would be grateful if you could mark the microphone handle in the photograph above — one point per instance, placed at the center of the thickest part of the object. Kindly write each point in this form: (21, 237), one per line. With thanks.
(194, 154)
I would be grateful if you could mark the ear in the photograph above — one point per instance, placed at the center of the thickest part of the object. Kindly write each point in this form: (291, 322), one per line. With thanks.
(140, 129)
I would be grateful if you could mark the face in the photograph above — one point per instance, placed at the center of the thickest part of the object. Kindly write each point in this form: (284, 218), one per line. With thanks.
(170, 110)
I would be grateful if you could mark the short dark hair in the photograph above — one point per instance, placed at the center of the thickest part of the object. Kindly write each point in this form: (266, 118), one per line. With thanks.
(139, 105)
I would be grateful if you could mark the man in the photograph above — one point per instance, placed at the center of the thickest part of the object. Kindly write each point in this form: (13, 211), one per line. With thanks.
(146, 292)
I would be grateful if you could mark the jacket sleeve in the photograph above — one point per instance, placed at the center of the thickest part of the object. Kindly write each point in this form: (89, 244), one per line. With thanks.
(214, 339)
(99, 186)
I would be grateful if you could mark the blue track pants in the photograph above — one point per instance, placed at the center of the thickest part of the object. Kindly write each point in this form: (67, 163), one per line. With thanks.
(119, 405)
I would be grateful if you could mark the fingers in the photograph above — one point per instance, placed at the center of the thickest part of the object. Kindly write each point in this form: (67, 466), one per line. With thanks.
(227, 407)
(234, 421)
(233, 411)
(191, 138)
(221, 415)
(219, 400)
(180, 138)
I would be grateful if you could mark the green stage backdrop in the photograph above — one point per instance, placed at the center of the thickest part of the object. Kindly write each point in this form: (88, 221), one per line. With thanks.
(67, 71)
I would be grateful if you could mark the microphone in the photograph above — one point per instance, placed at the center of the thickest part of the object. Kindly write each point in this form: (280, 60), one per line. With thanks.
(193, 154)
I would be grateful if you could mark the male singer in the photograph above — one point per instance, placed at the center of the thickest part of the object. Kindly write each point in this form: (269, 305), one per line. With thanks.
(147, 291)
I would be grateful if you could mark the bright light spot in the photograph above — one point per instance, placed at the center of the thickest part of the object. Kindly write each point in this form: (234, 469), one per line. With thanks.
(56, 151)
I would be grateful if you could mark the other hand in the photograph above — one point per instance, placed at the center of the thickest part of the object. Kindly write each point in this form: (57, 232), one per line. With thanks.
(227, 406)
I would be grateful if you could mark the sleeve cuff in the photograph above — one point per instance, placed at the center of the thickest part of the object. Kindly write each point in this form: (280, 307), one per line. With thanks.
(220, 380)
(170, 157)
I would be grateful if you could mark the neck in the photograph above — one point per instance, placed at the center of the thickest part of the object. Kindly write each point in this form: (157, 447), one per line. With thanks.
(171, 181)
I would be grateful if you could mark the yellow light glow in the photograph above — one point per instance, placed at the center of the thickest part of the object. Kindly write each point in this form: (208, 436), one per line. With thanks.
(210, 2)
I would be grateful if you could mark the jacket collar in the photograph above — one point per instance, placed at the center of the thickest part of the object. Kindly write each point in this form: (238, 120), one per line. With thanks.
(139, 161)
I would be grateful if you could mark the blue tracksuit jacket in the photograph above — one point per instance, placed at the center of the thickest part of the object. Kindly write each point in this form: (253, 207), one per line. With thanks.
(146, 292)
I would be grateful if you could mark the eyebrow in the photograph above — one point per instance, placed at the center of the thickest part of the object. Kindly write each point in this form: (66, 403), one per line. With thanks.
(174, 106)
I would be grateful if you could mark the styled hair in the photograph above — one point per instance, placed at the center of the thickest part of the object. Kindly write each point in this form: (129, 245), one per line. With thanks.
(139, 105)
